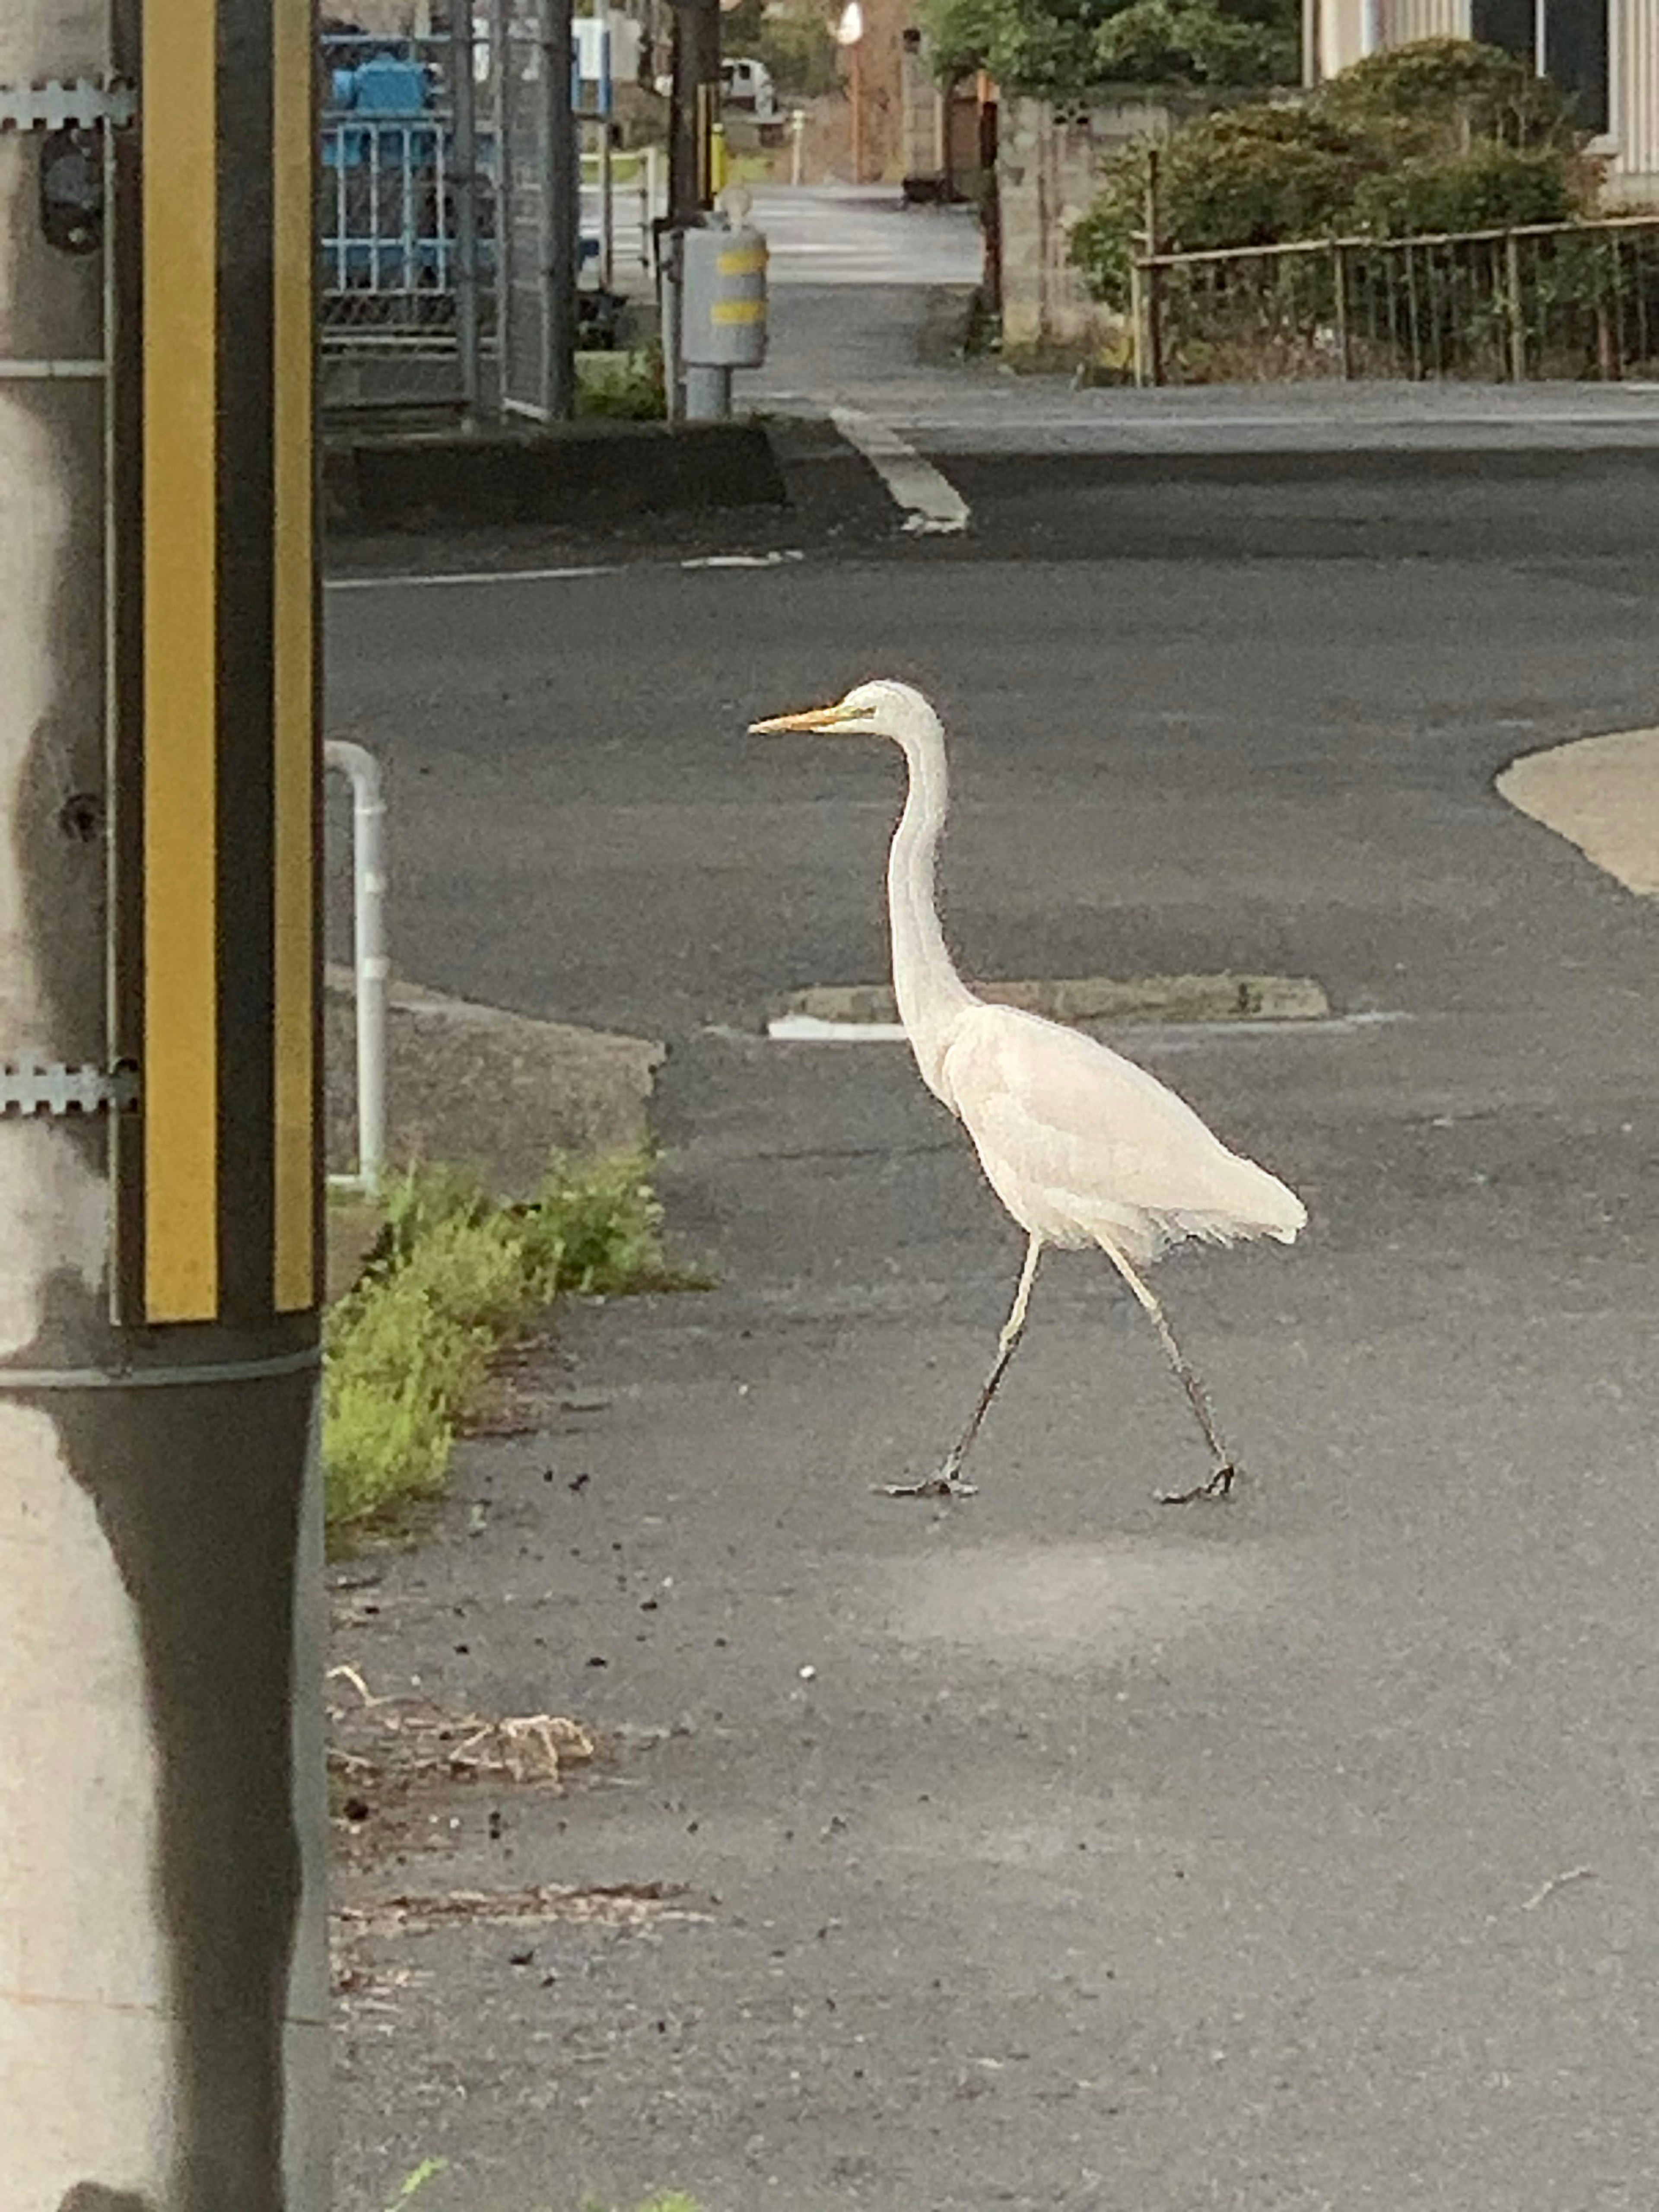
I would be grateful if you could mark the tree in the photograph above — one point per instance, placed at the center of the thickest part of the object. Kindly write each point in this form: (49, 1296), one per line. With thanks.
(1067, 47)
(793, 38)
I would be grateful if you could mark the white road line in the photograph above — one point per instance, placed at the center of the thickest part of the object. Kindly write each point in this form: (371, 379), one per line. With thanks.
(933, 505)
(417, 580)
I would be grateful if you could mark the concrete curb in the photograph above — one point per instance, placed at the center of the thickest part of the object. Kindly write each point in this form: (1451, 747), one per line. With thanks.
(574, 472)
(1224, 998)
(477, 1086)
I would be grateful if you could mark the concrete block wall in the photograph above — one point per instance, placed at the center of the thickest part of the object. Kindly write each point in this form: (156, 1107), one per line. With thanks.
(1048, 162)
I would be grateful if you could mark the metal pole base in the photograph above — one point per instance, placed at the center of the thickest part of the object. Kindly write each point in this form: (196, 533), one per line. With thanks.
(707, 394)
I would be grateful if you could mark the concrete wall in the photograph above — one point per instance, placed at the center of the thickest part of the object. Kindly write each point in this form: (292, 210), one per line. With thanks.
(1048, 164)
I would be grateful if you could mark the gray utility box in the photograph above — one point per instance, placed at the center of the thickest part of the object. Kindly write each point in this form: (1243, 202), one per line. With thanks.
(723, 302)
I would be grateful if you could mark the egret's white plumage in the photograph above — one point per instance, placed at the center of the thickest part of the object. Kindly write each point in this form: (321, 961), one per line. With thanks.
(1080, 1145)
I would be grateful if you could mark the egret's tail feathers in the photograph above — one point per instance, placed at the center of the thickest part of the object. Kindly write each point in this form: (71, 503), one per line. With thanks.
(1258, 1205)
(1268, 1208)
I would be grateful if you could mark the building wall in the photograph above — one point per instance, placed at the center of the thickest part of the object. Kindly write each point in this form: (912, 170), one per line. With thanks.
(1048, 164)
(1634, 179)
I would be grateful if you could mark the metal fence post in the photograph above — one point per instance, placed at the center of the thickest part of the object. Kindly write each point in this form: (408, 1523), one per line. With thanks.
(1340, 286)
(1517, 321)
(1153, 299)
(371, 963)
(463, 95)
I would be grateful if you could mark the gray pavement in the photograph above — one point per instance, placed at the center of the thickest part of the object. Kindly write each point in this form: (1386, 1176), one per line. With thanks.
(852, 274)
(1293, 1854)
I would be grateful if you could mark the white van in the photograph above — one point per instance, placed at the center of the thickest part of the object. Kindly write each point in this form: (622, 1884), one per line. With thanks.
(747, 84)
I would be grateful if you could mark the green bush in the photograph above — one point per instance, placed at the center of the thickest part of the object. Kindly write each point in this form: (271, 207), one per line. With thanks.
(1441, 95)
(1442, 135)
(1492, 187)
(1246, 176)
(454, 1275)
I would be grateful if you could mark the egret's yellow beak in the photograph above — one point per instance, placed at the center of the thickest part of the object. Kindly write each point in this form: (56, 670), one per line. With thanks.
(819, 719)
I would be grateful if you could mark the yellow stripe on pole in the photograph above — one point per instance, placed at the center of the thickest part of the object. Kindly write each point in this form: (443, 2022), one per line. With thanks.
(294, 1286)
(732, 312)
(741, 261)
(180, 1071)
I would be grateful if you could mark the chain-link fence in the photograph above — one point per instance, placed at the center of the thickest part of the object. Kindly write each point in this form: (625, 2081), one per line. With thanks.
(1556, 301)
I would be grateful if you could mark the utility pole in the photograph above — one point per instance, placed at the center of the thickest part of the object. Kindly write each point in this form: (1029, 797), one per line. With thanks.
(694, 109)
(163, 1983)
(562, 203)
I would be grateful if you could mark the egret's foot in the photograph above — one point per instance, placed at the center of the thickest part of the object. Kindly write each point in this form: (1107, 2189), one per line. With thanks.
(1219, 1484)
(947, 1483)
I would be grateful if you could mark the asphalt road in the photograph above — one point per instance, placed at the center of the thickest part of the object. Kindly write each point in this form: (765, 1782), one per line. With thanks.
(1294, 1853)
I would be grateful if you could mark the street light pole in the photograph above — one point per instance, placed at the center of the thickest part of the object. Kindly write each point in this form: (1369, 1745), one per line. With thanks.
(163, 1985)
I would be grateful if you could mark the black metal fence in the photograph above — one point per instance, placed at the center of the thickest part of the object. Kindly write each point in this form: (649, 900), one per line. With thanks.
(1555, 300)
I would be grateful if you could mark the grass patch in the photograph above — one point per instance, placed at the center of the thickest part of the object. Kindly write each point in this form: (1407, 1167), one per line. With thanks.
(621, 386)
(453, 1276)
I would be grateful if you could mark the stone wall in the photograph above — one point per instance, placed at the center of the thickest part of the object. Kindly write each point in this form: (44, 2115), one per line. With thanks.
(1048, 162)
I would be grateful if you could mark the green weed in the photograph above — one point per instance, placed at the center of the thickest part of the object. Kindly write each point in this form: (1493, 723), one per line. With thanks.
(454, 1276)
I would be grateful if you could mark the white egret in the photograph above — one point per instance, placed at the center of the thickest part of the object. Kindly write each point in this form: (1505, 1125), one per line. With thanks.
(1080, 1145)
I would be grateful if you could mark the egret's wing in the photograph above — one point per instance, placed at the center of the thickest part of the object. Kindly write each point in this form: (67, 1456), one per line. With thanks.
(1089, 1137)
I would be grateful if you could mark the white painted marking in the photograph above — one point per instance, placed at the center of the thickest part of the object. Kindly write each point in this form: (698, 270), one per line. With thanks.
(417, 581)
(809, 1028)
(422, 582)
(933, 507)
(742, 560)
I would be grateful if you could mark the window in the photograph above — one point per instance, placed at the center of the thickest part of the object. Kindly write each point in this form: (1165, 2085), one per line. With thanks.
(1565, 39)
(1576, 55)
(1511, 24)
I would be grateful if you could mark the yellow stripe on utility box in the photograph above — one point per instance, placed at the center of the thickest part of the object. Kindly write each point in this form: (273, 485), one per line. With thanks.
(729, 313)
(742, 261)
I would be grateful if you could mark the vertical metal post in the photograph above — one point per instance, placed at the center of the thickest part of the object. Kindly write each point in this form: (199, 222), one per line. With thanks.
(1516, 315)
(164, 2017)
(561, 184)
(465, 185)
(371, 960)
(1154, 299)
(607, 169)
(672, 288)
(1339, 288)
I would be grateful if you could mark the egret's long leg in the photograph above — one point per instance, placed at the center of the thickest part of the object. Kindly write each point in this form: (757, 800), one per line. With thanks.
(947, 1483)
(1226, 1467)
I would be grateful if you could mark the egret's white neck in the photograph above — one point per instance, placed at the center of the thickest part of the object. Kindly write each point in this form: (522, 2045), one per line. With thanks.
(929, 991)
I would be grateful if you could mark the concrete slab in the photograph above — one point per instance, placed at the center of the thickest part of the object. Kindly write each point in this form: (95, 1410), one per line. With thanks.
(477, 1086)
(1601, 794)
(1226, 998)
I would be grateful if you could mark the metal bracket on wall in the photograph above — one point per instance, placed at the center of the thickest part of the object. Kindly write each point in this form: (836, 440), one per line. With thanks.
(57, 105)
(48, 1089)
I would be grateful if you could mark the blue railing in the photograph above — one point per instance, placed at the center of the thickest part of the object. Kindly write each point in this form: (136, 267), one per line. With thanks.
(388, 216)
